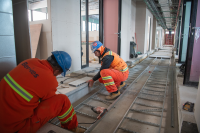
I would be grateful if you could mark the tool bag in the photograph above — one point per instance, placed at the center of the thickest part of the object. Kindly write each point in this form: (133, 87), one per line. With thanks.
(188, 106)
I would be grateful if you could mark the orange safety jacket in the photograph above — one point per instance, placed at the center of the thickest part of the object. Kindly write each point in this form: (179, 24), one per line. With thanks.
(118, 63)
(21, 91)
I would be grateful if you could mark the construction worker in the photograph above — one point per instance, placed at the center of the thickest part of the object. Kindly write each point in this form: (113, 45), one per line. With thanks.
(113, 71)
(28, 99)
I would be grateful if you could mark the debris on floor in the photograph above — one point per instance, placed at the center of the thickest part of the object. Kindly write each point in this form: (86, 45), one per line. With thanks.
(188, 127)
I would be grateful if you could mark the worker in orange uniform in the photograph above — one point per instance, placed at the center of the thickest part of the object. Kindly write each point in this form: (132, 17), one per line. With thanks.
(28, 99)
(113, 71)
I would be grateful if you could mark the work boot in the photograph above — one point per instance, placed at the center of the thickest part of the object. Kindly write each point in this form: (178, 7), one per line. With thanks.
(113, 96)
(121, 86)
(78, 130)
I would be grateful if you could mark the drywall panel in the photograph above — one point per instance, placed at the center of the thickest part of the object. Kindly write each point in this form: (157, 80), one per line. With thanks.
(35, 31)
(7, 43)
(140, 24)
(195, 67)
(125, 29)
(80, 81)
(65, 18)
(21, 30)
(197, 108)
(45, 41)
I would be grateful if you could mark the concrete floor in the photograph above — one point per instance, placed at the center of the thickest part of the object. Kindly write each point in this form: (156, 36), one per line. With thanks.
(187, 93)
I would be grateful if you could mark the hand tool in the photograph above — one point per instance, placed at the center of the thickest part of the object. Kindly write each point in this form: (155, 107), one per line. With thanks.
(98, 110)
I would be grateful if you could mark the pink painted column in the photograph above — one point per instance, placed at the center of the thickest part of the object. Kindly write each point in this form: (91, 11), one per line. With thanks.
(110, 21)
(195, 67)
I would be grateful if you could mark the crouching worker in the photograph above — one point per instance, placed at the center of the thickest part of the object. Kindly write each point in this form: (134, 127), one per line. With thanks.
(113, 71)
(28, 99)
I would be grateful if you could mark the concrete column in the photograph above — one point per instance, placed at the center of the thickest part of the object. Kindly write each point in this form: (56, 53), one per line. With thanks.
(21, 28)
(65, 23)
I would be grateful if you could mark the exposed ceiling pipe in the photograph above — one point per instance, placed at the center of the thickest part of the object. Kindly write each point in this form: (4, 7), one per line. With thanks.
(154, 10)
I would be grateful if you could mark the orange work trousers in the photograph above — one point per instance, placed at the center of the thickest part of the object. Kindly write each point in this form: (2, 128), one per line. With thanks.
(112, 78)
(58, 105)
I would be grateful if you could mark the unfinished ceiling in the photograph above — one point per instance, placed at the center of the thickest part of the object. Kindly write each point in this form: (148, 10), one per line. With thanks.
(165, 11)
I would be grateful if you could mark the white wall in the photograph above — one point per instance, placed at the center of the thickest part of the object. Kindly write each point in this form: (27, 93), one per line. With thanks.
(148, 14)
(133, 17)
(140, 24)
(125, 29)
(65, 17)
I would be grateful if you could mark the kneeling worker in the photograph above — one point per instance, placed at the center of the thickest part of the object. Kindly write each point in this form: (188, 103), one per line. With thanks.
(28, 99)
(113, 71)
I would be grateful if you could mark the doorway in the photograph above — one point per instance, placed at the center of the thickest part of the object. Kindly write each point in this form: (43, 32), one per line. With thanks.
(112, 24)
(90, 29)
(148, 45)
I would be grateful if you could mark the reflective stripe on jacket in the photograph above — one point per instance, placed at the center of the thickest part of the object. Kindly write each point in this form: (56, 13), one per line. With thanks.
(17, 88)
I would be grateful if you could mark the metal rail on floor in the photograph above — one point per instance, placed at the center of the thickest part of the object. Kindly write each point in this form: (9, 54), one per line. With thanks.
(148, 95)
(141, 71)
(172, 99)
(134, 74)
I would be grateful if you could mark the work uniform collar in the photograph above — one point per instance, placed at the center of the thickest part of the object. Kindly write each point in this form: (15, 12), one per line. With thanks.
(46, 63)
(105, 51)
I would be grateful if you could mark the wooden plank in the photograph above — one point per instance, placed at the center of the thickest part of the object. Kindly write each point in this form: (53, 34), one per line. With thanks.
(35, 31)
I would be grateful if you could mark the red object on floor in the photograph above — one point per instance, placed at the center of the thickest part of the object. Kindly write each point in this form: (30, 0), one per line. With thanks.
(112, 78)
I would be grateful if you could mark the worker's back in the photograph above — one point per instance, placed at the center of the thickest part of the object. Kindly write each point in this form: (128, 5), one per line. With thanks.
(21, 90)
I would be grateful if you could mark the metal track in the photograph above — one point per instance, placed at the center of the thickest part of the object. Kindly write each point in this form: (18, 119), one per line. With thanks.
(150, 94)
(99, 96)
(134, 75)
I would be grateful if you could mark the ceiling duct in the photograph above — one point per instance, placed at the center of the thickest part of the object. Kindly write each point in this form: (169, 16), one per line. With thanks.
(156, 12)
(165, 11)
